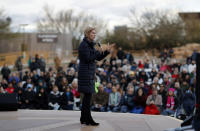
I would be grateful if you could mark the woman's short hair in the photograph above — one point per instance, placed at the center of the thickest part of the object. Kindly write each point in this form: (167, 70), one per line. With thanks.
(88, 30)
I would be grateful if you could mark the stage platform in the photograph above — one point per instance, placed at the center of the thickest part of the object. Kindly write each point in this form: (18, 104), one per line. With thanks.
(49, 120)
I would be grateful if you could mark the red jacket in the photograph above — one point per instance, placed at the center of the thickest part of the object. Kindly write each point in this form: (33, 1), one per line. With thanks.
(10, 90)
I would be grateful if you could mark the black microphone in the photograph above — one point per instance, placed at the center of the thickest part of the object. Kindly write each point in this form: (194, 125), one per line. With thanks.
(99, 44)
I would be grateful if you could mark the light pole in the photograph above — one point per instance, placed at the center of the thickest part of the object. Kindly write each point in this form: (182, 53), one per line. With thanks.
(23, 47)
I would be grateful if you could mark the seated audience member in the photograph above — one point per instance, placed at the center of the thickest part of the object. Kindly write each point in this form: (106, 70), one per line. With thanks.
(100, 100)
(41, 99)
(74, 87)
(67, 99)
(163, 93)
(140, 102)
(13, 77)
(29, 96)
(2, 90)
(40, 86)
(4, 83)
(54, 99)
(170, 106)
(127, 102)
(20, 98)
(189, 102)
(108, 88)
(10, 89)
(154, 103)
(178, 93)
(119, 89)
(114, 100)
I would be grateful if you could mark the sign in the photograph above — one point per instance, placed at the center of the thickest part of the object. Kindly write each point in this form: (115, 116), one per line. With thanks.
(47, 38)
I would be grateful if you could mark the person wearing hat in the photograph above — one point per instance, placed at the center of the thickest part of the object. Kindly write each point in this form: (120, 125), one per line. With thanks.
(170, 106)
(29, 96)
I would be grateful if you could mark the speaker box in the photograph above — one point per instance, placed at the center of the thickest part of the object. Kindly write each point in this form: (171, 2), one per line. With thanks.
(8, 102)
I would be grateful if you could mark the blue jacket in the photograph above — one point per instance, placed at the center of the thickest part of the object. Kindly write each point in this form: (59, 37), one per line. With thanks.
(87, 66)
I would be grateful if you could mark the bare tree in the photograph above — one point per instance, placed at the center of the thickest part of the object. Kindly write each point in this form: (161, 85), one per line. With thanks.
(159, 29)
(67, 21)
(5, 22)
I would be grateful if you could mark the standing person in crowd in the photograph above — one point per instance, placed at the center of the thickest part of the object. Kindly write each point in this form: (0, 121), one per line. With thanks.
(100, 100)
(19, 65)
(120, 54)
(5, 71)
(57, 62)
(86, 72)
(38, 63)
(42, 64)
(129, 57)
(114, 100)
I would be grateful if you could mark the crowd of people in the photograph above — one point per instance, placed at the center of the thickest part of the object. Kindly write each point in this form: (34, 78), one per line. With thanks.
(123, 84)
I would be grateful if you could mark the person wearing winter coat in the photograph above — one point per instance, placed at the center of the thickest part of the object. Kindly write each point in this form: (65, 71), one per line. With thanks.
(114, 100)
(127, 102)
(19, 64)
(67, 99)
(120, 54)
(86, 72)
(29, 96)
(54, 99)
(41, 99)
(171, 101)
(5, 71)
(189, 102)
(154, 103)
(163, 93)
(10, 89)
(20, 98)
(140, 101)
(100, 100)
(178, 93)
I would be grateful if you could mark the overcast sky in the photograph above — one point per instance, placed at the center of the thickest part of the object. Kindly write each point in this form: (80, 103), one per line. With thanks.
(115, 12)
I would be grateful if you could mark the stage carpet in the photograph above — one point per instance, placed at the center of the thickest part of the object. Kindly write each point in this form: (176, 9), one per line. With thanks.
(49, 120)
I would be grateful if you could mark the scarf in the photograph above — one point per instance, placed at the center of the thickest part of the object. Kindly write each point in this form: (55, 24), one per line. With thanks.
(170, 102)
(68, 95)
(113, 98)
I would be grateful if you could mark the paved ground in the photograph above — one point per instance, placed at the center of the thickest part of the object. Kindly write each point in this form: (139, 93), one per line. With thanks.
(39, 120)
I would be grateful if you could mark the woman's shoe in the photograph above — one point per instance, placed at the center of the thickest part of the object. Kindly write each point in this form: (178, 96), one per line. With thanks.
(82, 121)
(92, 123)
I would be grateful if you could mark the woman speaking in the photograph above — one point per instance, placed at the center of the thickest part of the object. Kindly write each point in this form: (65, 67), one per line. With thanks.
(86, 72)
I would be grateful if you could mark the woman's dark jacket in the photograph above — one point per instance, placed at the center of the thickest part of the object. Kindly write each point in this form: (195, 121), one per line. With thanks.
(87, 66)
(66, 98)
